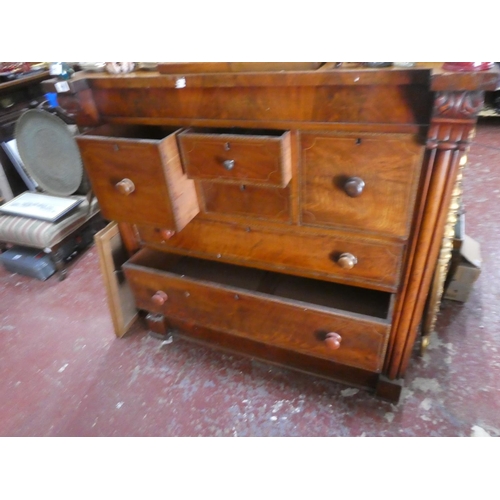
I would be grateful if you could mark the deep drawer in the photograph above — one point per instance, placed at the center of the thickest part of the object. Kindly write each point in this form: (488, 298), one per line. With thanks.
(137, 176)
(254, 157)
(365, 182)
(343, 324)
(329, 255)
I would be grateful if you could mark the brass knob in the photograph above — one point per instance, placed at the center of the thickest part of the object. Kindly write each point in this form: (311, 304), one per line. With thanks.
(333, 341)
(159, 298)
(347, 261)
(354, 186)
(125, 187)
(228, 164)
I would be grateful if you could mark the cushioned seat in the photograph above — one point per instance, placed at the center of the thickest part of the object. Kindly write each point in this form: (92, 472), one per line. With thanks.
(42, 234)
(57, 239)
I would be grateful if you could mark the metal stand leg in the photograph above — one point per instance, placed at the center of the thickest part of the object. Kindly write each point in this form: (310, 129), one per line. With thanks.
(58, 261)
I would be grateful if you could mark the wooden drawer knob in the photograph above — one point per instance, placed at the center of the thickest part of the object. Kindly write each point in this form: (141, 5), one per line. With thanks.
(166, 234)
(125, 187)
(354, 186)
(159, 298)
(228, 164)
(333, 341)
(347, 261)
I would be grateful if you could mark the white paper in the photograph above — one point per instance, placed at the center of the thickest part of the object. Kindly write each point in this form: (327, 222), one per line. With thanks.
(62, 86)
(39, 206)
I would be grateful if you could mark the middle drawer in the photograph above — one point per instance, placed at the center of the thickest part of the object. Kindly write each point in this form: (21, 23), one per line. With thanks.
(258, 157)
(329, 255)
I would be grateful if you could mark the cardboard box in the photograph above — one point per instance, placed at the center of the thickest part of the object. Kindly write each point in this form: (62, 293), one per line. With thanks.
(465, 271)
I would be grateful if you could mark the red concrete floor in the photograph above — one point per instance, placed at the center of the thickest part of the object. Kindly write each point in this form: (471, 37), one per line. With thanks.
(63, 373)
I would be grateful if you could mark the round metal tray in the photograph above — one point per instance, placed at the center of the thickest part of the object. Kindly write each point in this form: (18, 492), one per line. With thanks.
(49, 152)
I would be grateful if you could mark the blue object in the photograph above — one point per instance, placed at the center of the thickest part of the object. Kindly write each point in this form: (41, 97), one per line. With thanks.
(52, 98)
(29, 262)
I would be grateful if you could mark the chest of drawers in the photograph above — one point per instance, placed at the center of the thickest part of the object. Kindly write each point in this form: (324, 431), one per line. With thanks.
(291, 216)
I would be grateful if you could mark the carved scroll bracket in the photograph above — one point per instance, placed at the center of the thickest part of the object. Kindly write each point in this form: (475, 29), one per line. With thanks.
(453, 119)
(458, 105)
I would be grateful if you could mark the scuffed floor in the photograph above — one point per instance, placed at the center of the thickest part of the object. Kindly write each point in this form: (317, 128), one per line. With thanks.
(63, 373)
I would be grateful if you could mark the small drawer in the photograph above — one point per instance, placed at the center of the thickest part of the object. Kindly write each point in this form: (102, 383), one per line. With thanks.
(335, 322)
(329, 255)
(365, 182)
(237, 155)
(245, 200)
(137, 176)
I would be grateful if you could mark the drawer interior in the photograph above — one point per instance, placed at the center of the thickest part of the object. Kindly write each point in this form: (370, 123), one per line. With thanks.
(372, 303)
(151, 132)
(234, 131)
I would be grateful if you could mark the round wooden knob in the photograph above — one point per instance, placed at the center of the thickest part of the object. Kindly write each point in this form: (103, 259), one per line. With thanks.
(347, 261)
(125, 187)
(159, 298)
(333, 341)
(166, 234)
(354, 186)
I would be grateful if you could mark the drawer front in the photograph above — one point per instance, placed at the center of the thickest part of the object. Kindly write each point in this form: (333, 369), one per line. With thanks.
(365, 182)
(302, 252)
(289, 324)
(139, 181)
(269, 203)
(253, 159)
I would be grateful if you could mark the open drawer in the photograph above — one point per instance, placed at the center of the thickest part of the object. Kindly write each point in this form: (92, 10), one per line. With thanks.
(137, 176)
(340, 323)
(256, 157)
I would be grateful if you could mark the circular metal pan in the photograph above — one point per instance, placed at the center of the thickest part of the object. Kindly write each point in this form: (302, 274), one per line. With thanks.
(49, 152)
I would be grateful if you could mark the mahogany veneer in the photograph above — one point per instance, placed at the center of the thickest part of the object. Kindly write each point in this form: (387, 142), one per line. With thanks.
(294, 216)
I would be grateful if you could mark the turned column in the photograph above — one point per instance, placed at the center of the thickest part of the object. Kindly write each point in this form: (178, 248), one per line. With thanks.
(451, 130)
(443, 263)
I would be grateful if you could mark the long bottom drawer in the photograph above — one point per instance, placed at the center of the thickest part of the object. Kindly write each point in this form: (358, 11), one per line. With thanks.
(344, 324)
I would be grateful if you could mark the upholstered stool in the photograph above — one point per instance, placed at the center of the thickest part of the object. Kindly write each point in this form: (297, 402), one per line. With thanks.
(58, 239)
